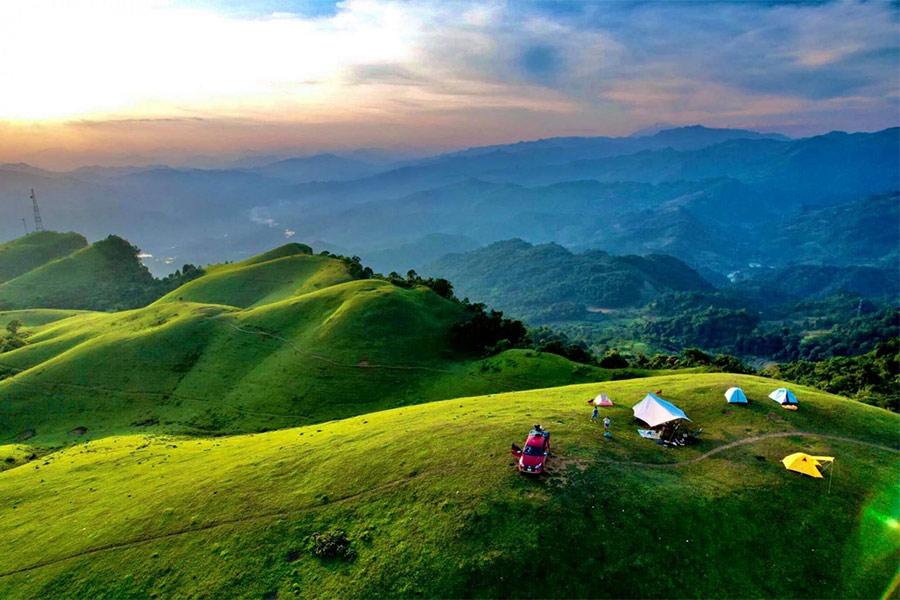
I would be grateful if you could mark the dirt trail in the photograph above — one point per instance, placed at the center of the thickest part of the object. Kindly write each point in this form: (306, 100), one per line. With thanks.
(399, 482)
(213, 525)
(750, 440)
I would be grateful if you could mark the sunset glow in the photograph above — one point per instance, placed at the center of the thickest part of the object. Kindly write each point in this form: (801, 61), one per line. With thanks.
(103, 77)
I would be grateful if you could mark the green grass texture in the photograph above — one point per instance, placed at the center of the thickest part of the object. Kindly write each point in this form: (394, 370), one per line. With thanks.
(433, 506)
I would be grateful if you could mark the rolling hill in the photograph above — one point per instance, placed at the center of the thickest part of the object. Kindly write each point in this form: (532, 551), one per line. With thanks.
(106, 273)
(287, 271)
(284, 339)
(427, 503)
(24, 254)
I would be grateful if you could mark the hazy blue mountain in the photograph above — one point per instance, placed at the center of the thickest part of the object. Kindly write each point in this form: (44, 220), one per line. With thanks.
(321, 167)
(564, 149)
(694, 137)
(718, 205)
(860, 232)
(769, 287)
(817, 170)
(417, 253)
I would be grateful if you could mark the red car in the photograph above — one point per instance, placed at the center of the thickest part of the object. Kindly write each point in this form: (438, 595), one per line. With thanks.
(533, 456)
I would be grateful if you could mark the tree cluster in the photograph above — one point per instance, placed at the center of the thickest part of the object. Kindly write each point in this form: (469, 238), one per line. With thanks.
(14, 337)
(873, 377)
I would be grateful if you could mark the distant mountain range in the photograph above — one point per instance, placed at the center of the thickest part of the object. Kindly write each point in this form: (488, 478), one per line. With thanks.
(548, 283)
(717, 199)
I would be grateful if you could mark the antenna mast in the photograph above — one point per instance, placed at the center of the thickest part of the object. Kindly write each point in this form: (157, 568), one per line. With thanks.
(25, 225)
(38, 225)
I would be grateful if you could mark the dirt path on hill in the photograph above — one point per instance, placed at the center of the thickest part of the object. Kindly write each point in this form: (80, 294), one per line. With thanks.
(399, 482)
(214, 525)
(751, 440)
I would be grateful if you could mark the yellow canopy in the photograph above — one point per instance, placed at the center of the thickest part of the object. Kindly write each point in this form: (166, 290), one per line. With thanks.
(806, 464)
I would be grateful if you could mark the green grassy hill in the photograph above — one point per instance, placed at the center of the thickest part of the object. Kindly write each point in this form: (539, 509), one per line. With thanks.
(287, 271)
(432, 506)
(37, 316)
(23, 254)
(295, 355)
(105, 274)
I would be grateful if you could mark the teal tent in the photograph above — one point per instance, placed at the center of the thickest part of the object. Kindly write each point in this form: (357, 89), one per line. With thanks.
(783, 396)
(735, 395)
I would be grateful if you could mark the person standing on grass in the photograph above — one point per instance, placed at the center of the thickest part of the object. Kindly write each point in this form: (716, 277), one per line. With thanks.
(595, 414)
(606, 426)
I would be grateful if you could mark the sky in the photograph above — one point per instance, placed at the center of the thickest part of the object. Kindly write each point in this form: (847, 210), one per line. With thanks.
(142, 81)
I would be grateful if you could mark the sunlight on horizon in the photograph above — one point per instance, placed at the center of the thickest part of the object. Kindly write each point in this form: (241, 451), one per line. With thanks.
(99, 60)
(105, 79)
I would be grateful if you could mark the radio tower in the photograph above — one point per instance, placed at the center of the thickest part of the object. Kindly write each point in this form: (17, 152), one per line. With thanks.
(38, 225)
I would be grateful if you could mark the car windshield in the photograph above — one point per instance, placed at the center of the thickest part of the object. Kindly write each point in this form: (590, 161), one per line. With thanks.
(534, 450)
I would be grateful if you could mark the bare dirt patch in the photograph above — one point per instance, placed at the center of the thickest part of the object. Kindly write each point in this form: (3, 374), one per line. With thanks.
(78, 431)
(558, 466)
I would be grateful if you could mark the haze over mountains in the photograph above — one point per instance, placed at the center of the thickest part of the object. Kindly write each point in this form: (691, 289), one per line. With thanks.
(717, 199)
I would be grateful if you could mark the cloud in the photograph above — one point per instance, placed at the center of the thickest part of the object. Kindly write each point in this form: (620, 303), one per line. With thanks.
(436, 71)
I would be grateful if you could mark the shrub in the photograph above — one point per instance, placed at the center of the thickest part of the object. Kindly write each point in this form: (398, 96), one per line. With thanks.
(612, 359)
(331, 544)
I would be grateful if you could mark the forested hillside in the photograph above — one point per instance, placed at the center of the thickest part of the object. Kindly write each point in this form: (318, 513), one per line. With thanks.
(549, 283)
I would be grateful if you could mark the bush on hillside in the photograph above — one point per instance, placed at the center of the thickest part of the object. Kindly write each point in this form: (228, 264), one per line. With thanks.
(575, 352)
(612, 359)
(14, 327)
(695, 357)
(331, 544)
(14, 338)
(731, 364)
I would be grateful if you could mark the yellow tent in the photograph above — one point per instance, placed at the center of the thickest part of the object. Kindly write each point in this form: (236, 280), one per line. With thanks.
(806, 464)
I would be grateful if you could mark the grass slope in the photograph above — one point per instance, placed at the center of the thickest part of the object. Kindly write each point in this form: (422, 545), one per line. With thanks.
(276, 275)
(23, 254)
(97, 274)
(433, 507)
(37, 316)
(176, 366)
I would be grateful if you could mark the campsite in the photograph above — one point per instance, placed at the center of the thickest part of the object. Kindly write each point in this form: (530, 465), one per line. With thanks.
(609, 499)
